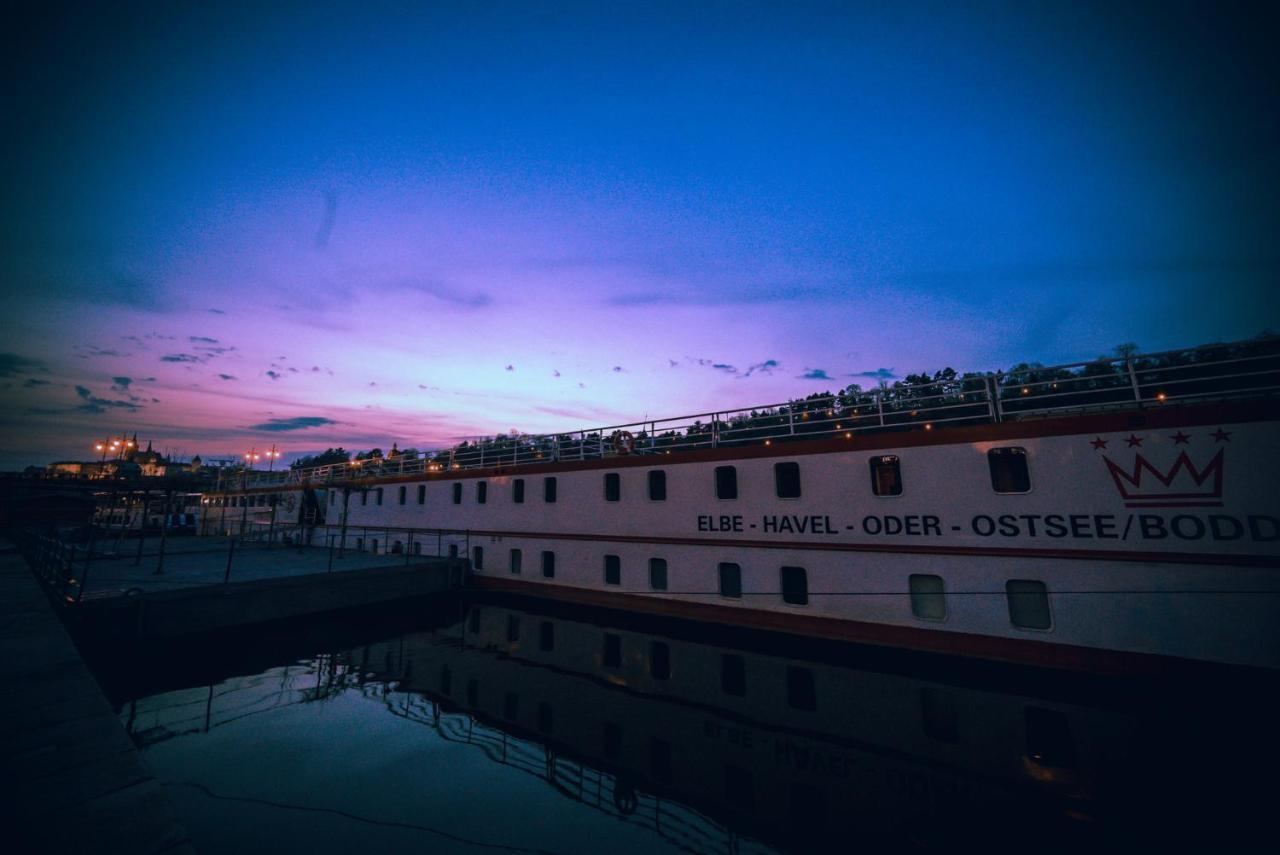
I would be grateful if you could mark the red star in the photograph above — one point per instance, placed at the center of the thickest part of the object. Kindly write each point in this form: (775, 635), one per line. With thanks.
(1180, 438)
(1221, 435)
(1098, 443)
(1133, 440)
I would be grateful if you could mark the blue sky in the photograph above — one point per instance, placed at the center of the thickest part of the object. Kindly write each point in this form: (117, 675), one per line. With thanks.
(392, 223)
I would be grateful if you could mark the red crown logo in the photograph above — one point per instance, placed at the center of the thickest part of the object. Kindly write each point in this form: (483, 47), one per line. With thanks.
(1182, 485)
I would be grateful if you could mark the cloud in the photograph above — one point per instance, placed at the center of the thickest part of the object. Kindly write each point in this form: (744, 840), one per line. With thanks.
(295, 423)
(671, 362)
(180, 357)
(326, 222)
(618, 369)
(876, 374)
(511, 368)
(274, 375)
(226, 377)
(555, 373)
(121, 383)
(94, 404)
(12, 363)
(445, 294)
(217, 312)
(722, 366)
(202, 339)
(729, 297)
(765, 367)
(814, 374)
(31, 383)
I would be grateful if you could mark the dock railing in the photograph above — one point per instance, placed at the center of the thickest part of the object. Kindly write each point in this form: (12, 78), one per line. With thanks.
(1217, 372)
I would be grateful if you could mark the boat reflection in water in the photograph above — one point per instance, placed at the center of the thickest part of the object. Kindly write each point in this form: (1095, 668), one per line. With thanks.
(526, 727)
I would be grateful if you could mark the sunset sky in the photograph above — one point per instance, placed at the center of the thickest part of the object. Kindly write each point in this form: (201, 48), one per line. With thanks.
(227, 226)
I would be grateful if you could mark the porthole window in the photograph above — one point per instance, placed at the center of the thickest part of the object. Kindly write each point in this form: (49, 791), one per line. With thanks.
(786, 480)
(612, 487)
(726, 482)
(516, 559)
(928, 602)
(795, 586)
(517, 491)
(457, 492)
(549, 489)
(548, 564)
(886, 475)
(1009, 473)
(482, 492)
(657, 485)
(612, 570)
(1028, 603)
(658, 574)
(730, 580)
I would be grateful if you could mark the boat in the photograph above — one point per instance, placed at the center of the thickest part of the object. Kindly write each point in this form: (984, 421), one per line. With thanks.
(1113, 515)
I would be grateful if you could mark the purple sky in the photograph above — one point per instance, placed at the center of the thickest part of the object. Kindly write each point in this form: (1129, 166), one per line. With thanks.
(225, 228)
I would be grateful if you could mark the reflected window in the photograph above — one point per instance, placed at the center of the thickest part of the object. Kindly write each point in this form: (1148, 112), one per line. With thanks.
(513, 628)
(657, 485)
(1049, 741)
(733, 674)
(795, 586)
(886, 475)
(547, 636)
(939, 716)
(726, 482)
(473, 693)
(612, 570)
(510, 706)
(659, 661)
(612, 740)
(473, 621)
(612, 650)
(730, 580)
(1009, 472)
(801, 692)
(612, 487)
(786, 480)
(927, 599)
(1028, 603)
(546, 718)
(739, 788)
(660, 760)
(446, 680)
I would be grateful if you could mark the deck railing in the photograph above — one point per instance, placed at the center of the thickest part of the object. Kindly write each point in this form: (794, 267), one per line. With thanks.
(1212, 372)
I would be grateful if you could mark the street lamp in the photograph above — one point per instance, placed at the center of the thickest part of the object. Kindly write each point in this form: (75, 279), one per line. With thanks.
(272, 456)
(252, 456)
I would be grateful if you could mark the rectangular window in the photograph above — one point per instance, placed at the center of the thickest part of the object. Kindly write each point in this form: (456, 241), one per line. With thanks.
(1028, 603)
(548, 564)
(612, 487)
(786, 480)
(726, 482)
(513, 628)
(927, 599)
(422, 494)
(517, 491)
(731, 580)
(795, 586)
(733, 675)
(612, 650)
(657, 485)
(333, 498)
(364, 497)
(549, 489)
(404, 493)
(453, 550)
(547, 636)
(801, 693)
(886, 475)
(612, 570)
(659, 661)
(482, 492)
(457, 492)
(379, 495)
(658, 574)
(1009, 470)
(516, 558)
(477, 557)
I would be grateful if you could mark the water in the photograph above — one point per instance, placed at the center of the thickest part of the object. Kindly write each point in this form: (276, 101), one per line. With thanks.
(498, 725)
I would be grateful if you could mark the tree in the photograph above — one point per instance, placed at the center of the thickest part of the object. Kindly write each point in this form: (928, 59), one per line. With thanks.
(372, 454)
(327, 458)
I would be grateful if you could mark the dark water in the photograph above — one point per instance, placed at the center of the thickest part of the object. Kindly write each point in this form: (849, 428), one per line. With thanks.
(501, 725)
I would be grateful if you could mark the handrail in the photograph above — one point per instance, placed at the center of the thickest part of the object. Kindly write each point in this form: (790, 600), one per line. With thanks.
(1240, 369)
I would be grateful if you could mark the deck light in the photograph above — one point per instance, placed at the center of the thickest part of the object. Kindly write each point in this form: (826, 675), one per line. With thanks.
(1026, 391)
(1160, 396)
(928, 426)
(848, 436)
(768, 442)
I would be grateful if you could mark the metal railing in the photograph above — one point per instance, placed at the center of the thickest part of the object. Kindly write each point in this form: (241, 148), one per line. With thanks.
(1213, 372)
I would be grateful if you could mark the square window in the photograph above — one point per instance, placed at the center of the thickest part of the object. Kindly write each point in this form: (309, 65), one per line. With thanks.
(457, 492)
(612, 650)
(549, 489)
(612, 487)
(1009, 472)
(482, 492)
(726, 482)
(516, 559)
(1028, 603)
(517, 491)
(657, 485)
(477, 557)
(659, 661)
(658, 574)
(886, 475)
(730, 580)
(795, 586)
(733, 675)
(548, 564)
(786, 480)
(801, 692)
(612, 570)
(928, 601)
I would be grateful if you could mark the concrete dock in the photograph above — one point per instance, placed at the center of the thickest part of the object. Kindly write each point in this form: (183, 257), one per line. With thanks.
(73, 781)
